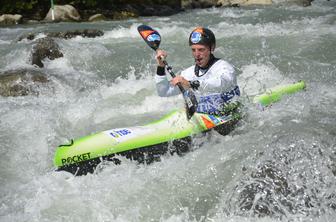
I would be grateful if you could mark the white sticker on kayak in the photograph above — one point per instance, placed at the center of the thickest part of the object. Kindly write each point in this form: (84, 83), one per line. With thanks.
(124, 134)
(118, 133)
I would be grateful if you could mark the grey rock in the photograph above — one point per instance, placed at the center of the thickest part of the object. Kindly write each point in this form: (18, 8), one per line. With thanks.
(45, 48)
(89, 33)
(97, 17)
(63, 13)
(8, 19)
(21, 82)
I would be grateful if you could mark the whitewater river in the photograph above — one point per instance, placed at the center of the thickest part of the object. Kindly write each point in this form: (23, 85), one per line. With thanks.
(279, 163)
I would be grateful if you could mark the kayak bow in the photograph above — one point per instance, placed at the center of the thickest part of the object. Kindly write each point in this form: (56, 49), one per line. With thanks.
(275, 94)
(142, 143)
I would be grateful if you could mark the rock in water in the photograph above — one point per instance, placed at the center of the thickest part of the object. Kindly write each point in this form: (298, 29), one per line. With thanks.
(97, 17)
(21, 82)
(45, 48)
(63, 13)
(8, 19)
(89, 33)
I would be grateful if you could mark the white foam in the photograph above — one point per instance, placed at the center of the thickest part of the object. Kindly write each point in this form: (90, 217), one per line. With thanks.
(4, 42)
(19, 58)
(119, 100)
(123, 33)
(256, 78)
(315, 26)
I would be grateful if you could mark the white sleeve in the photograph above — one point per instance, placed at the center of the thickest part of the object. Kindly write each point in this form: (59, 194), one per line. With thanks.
(164, 88)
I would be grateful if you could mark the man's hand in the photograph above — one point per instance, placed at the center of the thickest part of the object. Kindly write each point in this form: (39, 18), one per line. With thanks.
(160, 55)
(179, 79)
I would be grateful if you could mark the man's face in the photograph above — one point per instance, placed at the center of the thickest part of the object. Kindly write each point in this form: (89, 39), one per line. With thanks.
(201, 54)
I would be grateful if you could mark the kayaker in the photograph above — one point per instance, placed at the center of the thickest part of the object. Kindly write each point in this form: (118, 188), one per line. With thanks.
(212, 79)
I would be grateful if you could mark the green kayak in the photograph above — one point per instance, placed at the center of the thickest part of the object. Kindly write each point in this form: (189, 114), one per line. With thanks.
(171, 134)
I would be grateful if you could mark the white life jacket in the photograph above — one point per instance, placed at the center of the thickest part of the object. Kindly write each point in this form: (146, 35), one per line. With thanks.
(217, 86)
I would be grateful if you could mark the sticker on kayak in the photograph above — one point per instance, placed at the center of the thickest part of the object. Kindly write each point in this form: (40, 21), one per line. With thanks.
(214, 119)
(123, 134)
(219, 119)
(119, 133)
(211, 121)
(208, 123)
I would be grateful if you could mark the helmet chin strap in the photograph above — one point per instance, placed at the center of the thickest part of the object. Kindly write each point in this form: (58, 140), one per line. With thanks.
(212, 49)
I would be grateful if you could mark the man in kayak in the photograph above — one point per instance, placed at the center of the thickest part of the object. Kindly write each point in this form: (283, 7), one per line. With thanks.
(212, 79)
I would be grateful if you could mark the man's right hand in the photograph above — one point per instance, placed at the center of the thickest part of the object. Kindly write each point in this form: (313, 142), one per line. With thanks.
(160, 56)
(180, 79)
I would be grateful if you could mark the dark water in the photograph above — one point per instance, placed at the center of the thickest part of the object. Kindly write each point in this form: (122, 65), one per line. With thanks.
(280, 163)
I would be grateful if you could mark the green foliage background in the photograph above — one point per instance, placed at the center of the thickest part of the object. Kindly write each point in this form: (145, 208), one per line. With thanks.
(31, 6)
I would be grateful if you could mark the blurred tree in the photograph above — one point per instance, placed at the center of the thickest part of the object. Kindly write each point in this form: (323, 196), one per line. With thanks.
(15, 6)
(30, 7)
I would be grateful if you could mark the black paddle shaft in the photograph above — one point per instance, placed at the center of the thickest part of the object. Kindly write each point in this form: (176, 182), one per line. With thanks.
(153, 39)
(189, 97)
(172, 74)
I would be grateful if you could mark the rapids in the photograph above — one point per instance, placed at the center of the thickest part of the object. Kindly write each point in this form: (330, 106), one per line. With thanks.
(278, 164)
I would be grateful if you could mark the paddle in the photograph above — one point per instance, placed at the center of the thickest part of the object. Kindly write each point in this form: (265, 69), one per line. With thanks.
(153, 39)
